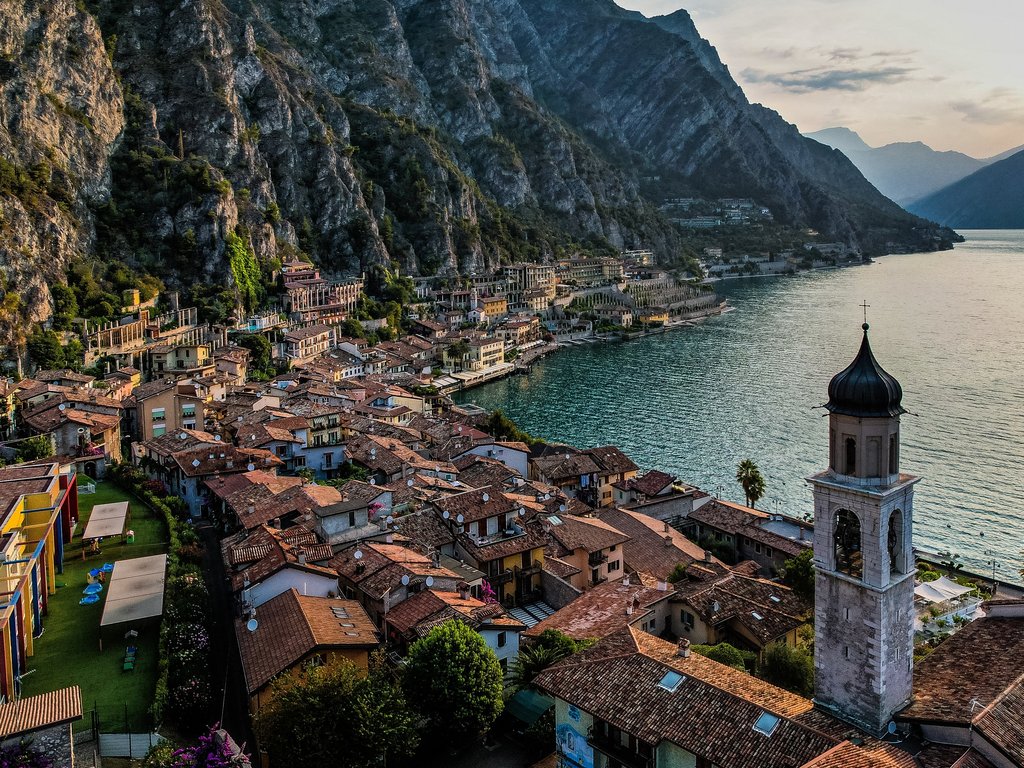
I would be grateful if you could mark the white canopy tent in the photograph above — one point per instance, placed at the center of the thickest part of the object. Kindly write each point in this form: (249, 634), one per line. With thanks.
(136, 590)
(107, 520)
(940, 591)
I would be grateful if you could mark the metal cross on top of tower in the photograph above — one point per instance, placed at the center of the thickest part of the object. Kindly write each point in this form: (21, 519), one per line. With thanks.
(865, 306)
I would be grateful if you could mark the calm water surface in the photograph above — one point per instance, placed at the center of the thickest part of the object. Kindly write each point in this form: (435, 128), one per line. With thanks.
(696, 401)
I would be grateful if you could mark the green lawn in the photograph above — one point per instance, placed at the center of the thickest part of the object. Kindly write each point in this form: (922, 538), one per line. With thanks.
(68, 651)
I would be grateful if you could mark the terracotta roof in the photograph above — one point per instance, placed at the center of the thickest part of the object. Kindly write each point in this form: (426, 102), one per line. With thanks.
(979, 664)
(560, 568)
(42, 711)
(869, 755)
(565, 466)
(601, 611)
(417, 615)
(292, 626)
(589, 534)
(652, 483)
(425, 529)
(711, 712)
(768, 610)
(478, 471)
(382, 566)
(256, 555)
(646, 550)
(611, 460)
(222, 457)
(477, 505)
(745, 521)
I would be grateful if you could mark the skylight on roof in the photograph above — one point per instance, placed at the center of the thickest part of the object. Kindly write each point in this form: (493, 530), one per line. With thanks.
(757, 615)
(775, 598)
(767, 723)
(671, 681)
(555, 520)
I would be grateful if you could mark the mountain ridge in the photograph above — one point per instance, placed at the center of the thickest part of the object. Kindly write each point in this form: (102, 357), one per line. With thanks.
(990, 198)
(446, 136)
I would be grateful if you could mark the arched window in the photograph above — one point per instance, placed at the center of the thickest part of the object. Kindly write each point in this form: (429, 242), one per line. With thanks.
(894, 464)
(851, 456)
(846, 540)
(895, 542)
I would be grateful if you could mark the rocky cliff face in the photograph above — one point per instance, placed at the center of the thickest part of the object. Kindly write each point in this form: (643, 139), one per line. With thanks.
(445, 135)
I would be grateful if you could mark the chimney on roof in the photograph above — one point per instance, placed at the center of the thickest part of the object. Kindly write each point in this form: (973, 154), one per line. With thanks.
(302, 557)
(464, 591)
(666, 526)
(663, 586)
(668, 540)
(629, 608)
(707, 556)
(625, 580)
(683, 648)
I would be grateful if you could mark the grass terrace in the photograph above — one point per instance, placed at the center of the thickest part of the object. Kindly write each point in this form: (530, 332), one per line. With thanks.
(68, 651)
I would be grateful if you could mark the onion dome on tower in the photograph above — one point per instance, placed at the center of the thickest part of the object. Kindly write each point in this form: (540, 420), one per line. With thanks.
(863, 389)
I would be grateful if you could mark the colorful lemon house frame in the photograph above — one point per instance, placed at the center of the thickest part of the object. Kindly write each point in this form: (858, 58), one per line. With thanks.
(38, 507)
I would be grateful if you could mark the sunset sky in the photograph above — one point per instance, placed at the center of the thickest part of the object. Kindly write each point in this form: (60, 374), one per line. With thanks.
(948, 73)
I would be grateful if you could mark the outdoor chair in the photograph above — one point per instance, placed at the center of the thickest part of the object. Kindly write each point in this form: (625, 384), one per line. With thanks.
(129, 665)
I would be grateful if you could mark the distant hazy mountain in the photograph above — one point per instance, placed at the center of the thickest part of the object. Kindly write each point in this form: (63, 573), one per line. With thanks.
(992, 198)
(1003, 155)
(904, 171)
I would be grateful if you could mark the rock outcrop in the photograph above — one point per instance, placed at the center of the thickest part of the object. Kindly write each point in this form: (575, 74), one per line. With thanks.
(444, 135)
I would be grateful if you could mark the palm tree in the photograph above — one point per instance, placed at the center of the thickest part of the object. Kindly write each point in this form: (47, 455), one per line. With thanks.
(749, 476)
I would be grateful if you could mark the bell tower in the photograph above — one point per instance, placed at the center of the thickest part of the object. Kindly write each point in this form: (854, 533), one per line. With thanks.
(863, 555)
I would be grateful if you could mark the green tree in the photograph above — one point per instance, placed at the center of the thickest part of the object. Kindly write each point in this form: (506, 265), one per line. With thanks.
(724, 653)
(749, 476)
(678, 573)
(45, 350)
(550, 646)
(334, 715)
(260, 352)
(788, 667)
(455, 682)
(798, 574)
(32, 448)
(65, 306)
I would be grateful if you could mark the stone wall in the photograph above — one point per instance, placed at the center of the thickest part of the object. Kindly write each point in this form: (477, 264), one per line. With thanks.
(56, 743)
(558, 593)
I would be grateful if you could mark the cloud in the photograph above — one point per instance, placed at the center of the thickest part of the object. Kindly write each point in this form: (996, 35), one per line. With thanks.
(1000, 106)
(830, 78)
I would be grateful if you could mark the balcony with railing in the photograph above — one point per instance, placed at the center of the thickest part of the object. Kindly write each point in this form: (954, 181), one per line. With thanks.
(597, 558)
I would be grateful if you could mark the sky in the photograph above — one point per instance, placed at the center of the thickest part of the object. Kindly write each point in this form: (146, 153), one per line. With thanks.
(949, 73)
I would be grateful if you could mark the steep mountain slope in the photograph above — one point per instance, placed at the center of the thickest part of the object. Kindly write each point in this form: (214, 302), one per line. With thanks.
(992, 198)
(203, 141)
(902, 171)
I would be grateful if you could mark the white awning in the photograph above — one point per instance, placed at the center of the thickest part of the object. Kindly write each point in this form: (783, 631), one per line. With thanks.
(940, 590)
(136, 590)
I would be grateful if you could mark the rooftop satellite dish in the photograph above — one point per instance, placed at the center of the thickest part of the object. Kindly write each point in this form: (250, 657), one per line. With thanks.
(562, 507)
(409, 482)
(430, 581)
(358, 554)
(251, 467)
(522, 511)
(196, 462)
(217, 438)
(61, 407)
(547, 496)
(487, 497)
(891, 727)
(460, 519)
(405, 579)
(446, 514)
(251, 625)
(373, 481)
(182, 436)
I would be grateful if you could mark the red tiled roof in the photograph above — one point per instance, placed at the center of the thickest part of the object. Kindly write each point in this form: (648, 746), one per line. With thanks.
(292, 626)
(42, 711)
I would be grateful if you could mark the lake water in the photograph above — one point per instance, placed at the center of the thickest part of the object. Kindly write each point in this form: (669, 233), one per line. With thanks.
(695, 401)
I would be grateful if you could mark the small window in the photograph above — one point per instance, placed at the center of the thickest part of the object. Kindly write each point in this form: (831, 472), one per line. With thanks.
(614, 565)
(502, 639)
(767, 723)
(670, 682)
(768, 551)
